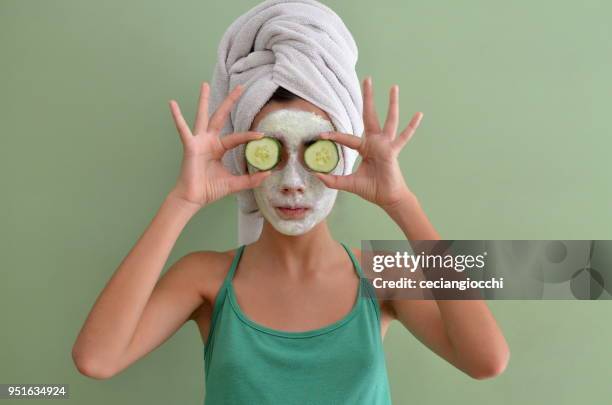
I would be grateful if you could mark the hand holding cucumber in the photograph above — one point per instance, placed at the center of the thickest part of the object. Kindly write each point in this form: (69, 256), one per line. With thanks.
(203, 178)
(378, 178)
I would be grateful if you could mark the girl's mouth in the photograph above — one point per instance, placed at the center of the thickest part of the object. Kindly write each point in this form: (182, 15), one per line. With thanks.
(292, 213)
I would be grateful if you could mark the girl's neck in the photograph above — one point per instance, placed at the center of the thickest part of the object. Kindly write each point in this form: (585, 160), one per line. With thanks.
(295, 252)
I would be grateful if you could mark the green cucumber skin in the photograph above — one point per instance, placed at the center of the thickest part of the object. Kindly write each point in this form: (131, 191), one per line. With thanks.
(278, 145)
(337, 160)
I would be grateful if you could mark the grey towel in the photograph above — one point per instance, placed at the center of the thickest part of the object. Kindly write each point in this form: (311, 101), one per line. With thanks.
(301, 45)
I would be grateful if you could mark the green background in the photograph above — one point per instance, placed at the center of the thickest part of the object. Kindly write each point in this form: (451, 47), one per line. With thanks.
(515, 144)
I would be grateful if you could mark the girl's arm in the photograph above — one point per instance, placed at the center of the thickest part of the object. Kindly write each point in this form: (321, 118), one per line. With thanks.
(135, 313)
(462, 332)
(115, 333)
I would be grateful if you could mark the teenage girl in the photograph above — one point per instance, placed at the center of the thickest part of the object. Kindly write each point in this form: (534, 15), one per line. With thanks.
(289, 318)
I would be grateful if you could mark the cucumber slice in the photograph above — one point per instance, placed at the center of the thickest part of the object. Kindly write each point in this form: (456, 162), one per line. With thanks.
(264, 153)
(322, 156)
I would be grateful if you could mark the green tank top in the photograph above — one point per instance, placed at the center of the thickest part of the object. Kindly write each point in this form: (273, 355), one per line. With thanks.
(341, 363)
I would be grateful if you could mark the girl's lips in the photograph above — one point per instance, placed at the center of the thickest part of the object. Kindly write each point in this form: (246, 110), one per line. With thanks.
(292, 213)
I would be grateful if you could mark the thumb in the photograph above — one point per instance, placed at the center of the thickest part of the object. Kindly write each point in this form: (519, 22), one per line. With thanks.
(247, 181)
(335, 181)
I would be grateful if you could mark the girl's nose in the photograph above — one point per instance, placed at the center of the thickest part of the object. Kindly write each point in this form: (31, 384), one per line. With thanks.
(292, 189)
(292, 181)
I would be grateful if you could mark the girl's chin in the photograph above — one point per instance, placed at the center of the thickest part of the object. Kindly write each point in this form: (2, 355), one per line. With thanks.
(292, 227)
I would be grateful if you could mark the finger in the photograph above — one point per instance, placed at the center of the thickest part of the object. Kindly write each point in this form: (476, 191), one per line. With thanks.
(219, 117)
(336, 181)
(350, 140)
(246, 181)
(391, 123)
(232, 140)
(370, 118)
(407, 133)
(201, 122)
(179, 121)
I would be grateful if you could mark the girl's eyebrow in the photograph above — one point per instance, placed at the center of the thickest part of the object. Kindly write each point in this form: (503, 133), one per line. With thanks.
(311, 137)
(305, 139)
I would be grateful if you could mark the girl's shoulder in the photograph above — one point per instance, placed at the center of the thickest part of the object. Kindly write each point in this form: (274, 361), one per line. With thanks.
(207, 271)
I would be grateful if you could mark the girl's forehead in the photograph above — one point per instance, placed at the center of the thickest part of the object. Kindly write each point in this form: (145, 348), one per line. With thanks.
(294, 126)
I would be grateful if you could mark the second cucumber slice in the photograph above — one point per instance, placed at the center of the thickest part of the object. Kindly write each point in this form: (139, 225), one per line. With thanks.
(322, 156)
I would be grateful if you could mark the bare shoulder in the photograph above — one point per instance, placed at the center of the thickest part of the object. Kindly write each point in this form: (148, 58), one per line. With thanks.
(205, 271)
(385, 305)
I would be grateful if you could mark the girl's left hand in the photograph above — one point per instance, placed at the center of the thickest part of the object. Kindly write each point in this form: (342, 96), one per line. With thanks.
(378, 178)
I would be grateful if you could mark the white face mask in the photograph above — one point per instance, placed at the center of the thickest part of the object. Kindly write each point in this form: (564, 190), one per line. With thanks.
(292, 184)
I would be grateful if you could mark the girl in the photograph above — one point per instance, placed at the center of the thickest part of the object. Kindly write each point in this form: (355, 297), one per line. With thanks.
(289, 318)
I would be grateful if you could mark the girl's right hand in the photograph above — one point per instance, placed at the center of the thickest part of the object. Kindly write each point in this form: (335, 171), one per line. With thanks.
(203, 178)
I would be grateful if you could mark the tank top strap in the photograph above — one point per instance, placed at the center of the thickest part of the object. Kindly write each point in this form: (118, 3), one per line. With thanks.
(221, 294)
(368, 290)
(354, 260)
(232, 270)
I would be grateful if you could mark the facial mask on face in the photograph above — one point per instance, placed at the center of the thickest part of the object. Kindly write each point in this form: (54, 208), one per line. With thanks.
(292, 184)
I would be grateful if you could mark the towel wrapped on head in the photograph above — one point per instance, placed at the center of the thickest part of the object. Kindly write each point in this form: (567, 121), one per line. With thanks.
(302, 46)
